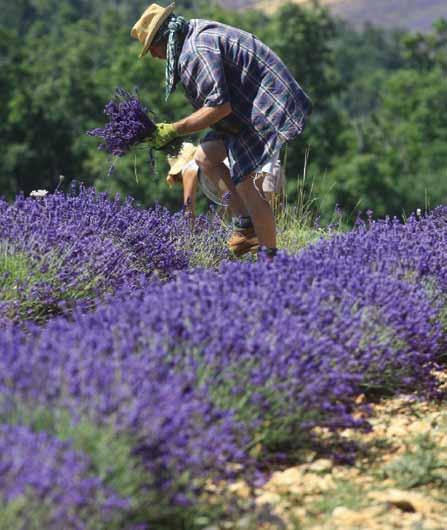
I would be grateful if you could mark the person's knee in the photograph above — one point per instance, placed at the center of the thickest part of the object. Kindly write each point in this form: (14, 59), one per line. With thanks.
(246, 187)
(208, 158)
(201, 158)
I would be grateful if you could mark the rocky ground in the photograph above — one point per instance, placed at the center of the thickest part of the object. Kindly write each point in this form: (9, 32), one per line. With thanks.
(398, 482)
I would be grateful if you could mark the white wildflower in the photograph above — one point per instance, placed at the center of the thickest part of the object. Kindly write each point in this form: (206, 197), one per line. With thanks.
(418, 212)
(38, 193)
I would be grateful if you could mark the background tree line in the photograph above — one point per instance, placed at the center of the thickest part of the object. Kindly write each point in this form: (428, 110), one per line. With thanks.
(377, 138)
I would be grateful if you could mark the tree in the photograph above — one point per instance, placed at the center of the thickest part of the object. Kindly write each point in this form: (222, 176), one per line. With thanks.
(302, 38)
(427, 51)
(9, 78)
(54, 93)
(398, 160)
(364, 59)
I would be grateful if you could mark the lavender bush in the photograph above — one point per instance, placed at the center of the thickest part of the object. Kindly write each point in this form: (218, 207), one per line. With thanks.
(204, 239)
(179, 437)
(58, 249)
(200, 370)
(44, 483)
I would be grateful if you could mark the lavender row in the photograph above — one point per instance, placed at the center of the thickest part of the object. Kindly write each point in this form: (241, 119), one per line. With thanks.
(202, 368)
(45, 483)
(74, 248)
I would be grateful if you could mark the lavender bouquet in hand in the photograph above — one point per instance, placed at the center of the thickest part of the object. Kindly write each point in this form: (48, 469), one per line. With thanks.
(128, 126)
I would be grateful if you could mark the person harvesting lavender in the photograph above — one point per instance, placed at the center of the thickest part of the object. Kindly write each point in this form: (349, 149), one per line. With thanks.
(239, 88)
(185, 171)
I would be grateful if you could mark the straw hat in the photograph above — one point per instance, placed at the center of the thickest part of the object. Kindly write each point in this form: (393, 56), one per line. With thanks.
(149, 23)
(177, 163)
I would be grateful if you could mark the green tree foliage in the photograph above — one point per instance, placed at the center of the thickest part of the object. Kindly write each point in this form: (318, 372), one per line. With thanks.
(302, 38)
(425, 52)
(10, 57)
(362, 60)
(398, 157)
(54, 94)
(377, 132)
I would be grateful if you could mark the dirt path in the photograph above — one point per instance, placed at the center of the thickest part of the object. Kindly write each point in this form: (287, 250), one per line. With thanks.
(398, 482)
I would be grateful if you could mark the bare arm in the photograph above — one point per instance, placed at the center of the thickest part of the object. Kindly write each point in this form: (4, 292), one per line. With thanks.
(202, 119)
(190, 189)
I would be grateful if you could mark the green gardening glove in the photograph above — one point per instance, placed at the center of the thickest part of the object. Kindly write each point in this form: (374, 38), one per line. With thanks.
(164, 134)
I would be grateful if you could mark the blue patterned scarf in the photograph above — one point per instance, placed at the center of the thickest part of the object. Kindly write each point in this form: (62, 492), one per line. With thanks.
(174, 28)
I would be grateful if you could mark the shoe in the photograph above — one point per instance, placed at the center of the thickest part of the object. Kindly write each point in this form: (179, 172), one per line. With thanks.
(243, 241)
(267, 252)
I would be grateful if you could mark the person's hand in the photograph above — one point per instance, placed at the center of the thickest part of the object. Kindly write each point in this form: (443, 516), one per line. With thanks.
(174, 179)
(164, 134)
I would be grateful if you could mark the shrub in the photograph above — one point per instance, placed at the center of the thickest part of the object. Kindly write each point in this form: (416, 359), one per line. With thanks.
(44, 483)
(79, 247)
(216, 367)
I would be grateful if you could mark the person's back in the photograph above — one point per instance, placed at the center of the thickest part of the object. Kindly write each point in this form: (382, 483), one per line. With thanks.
(263, 94)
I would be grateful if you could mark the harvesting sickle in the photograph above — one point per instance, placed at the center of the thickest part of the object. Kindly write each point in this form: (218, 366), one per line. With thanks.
(241, 90)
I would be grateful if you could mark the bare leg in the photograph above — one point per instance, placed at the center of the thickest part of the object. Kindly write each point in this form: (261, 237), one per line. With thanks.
(260, 212)
(190, 190)
(209, 157)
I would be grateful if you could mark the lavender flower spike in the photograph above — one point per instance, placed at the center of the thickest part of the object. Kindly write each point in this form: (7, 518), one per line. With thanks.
(129, 123)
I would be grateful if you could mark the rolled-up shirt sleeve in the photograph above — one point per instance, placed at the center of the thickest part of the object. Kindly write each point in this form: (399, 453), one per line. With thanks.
(204, 75)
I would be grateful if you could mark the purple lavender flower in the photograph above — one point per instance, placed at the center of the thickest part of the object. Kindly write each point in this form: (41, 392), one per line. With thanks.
(76, 247)
(128, 126)
(129, 123)
(48, 472)
(197, 369)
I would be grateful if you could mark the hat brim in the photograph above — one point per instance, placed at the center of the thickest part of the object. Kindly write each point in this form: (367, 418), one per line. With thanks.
(150, 37)
(176, 168)
(179, 166)
(181, 160)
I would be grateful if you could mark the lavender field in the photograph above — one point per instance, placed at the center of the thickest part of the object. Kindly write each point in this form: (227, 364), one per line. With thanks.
(136, 377)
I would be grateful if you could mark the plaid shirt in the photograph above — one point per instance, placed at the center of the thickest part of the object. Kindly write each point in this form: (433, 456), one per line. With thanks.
(220, 64)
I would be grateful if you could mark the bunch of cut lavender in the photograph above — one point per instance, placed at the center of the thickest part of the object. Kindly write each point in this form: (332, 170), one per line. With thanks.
(128, 126)
(129, 123)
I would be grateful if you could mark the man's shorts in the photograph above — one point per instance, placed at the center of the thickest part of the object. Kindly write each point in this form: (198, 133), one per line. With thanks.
(247, 153)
